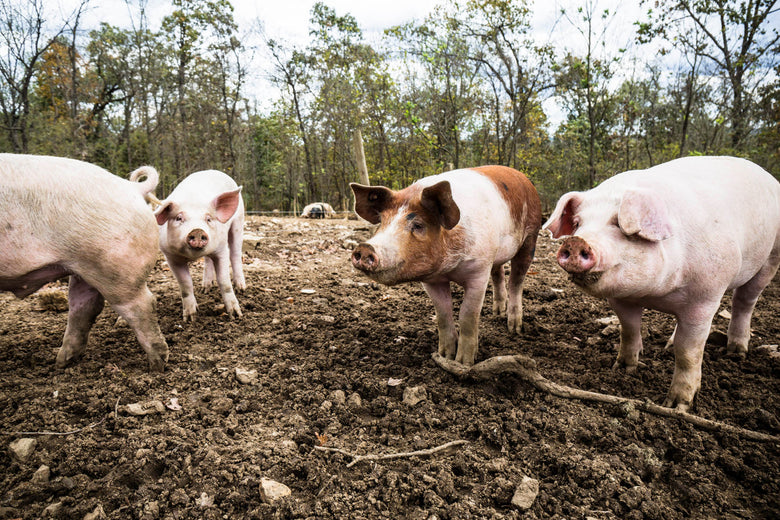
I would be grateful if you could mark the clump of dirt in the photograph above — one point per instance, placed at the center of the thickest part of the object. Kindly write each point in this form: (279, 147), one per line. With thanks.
(327, 356)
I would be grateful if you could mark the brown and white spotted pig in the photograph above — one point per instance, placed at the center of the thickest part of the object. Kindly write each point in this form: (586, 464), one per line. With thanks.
(460, 226)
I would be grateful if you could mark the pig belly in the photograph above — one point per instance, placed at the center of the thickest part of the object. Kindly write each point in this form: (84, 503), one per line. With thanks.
(27, 284)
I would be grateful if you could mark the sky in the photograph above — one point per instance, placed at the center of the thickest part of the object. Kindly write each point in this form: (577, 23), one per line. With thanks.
(288, 21)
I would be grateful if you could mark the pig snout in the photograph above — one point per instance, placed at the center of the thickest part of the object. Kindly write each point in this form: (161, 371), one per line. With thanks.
(364, 257)
(576, 256)
(197, 239)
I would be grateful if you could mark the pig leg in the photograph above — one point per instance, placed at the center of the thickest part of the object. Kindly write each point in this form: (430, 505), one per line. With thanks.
(689, 340)
(630, 317)
(499, 290)
(520, 264)
(209, 276)
(441, 295)
(470, 308)
(743, 303)
(141, 314)
(225, 287)
(235, 243)
(181, 272)
(84, 305)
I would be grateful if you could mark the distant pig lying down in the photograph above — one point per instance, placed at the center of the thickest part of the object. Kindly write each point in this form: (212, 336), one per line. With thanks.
(62, 217)
(675, 238)
(460, 226)
(204, 218)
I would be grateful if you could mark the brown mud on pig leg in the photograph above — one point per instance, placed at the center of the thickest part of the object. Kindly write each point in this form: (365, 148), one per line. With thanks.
(141, 314)
(235, 245)
(520, 264)
(689, 340)
(468, 318)
(441, 295)
(84, 305)
(630, 317)
(222, 269)
(497, 278)
(743, 303)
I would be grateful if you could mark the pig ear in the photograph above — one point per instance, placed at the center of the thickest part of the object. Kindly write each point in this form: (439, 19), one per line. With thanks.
(226, 204)
(438, 200)
(165, 212)
(561, 222)
(370, 201)
(643, 213)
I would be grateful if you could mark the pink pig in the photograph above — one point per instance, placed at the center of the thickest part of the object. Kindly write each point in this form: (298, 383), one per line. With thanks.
(62, 217)
(675, 238)
(460, 226)
(204, 217)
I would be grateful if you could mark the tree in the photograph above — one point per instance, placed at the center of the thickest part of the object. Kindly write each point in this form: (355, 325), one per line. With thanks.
(738, 37)
(23, 41)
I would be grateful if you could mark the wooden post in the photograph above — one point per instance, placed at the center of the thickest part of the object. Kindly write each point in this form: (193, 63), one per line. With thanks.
(360, 157)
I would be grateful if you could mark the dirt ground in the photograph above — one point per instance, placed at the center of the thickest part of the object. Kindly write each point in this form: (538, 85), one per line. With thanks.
(335, 355)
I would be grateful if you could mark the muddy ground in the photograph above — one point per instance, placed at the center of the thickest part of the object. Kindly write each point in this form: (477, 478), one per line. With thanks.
(334, 355)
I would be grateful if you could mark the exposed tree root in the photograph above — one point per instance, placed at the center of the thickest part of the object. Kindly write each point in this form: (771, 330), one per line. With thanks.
(420, 453)
(525, 368)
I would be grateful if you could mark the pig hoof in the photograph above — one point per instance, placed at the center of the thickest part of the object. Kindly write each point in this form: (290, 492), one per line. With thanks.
(737, 350)
(156, 365)
(630, 369)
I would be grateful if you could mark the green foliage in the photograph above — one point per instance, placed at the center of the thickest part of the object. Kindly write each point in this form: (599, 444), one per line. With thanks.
(465, 86)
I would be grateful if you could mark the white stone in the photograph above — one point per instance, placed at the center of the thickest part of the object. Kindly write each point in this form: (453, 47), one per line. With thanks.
(246, 377)
(272, 491)
(525, 493)
(22, 449)
(41, 475)
(414, 395)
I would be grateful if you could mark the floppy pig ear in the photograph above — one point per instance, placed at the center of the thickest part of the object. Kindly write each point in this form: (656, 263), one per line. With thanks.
(561, 222)
(226, 204)
(438, 200)
(370, 201)
(643, 213)
(165, 212)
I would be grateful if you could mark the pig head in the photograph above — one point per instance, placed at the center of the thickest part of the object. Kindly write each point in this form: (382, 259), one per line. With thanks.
(61, 217)
(204, 218)
(674, 238)
(461, 227)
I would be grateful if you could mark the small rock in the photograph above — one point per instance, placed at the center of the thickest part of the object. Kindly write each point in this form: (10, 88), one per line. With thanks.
(338, 397)
(526, 493)
(246, 377)
(355, 401)
(608, 320)
(204, 500)
(326, 406)
(146, 408)
(272, 491)
(414, 394)
(22, 449)
(222, 405)
(41, 475)
(54, 510)
(96, 514)
(610, 330)
(349, 244)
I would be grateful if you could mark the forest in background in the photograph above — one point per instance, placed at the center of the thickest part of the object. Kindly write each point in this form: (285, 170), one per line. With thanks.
(465, 86)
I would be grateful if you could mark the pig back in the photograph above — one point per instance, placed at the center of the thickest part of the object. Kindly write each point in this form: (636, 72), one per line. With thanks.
(63, 211)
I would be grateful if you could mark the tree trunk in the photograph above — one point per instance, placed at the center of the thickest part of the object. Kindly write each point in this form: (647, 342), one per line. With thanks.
(360, 157)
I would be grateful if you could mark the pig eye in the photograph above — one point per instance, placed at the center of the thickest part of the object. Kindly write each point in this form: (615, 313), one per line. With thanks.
(179, 218)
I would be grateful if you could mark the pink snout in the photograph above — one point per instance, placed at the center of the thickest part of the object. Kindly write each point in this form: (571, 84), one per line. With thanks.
(364, 257)
(576, 256)
(197, 239)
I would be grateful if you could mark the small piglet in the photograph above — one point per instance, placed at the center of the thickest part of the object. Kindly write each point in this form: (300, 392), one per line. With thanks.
(460, 226)
(675, 238)
(62, 217)
(204, 217)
